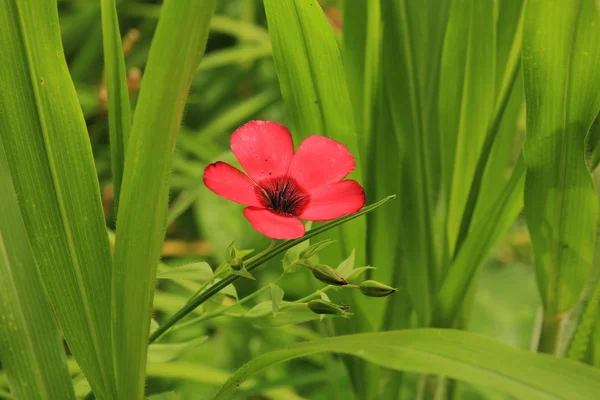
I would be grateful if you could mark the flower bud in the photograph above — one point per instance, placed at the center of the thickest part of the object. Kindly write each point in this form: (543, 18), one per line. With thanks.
(326, 274)
(314, 249)
(327, 307)
(232, 258)
(376, 289)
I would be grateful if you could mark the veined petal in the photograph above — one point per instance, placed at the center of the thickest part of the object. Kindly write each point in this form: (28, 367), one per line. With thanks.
(231, 183)
(334, 200)
(274, 225)
(263, 148)
(320, 161)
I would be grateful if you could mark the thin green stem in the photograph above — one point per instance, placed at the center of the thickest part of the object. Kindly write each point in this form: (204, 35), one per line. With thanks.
(223, 310)
(256, 262)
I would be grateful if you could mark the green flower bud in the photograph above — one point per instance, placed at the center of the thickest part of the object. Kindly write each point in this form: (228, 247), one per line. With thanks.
(232, 258)
(327, 307)
(314, 249)
(376, 289)
(326, 274)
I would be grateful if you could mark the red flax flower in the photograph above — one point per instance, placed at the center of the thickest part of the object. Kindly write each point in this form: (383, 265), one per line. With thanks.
(282, 186)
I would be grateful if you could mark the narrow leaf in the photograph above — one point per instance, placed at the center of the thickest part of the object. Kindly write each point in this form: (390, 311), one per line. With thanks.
(177, 47)
(467, 96)
(31, 349)
(276, 297)
(50, 161)
(456, 354)
(119, 110)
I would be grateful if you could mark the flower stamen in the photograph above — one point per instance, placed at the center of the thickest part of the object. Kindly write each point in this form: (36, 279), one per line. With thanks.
(283, 195)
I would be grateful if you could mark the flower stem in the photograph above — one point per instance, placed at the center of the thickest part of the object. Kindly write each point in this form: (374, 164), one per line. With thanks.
(256, 262)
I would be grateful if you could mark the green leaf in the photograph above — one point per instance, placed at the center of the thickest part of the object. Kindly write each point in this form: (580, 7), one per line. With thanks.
(361, 53)
(50, 160)
(176, 50)
(484, 233)
(199, 271)
(356, 273)
(313, 85)
(243, 273)
(119, 110)
(276, 297)
(456, 354)
(467, 95)
(31, 348)
(561, 63)
(346, 266)
(410, 53)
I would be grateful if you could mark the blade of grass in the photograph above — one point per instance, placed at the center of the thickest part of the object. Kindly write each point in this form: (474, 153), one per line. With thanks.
(561, 62)
(119, 110)
(176, 50)
(406, 72)
(457, 354)
(31, 348)
(467, 95)
(50, 161)
(485, 156)
(484, 233)
(279, 249)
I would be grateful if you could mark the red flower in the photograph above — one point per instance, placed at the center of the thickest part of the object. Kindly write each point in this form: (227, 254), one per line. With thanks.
(282, 186)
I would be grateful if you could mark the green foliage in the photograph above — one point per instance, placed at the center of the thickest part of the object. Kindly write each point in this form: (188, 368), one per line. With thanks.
(119, 111)
(460, 355)
(50, 162)
(30, 348)
(561, 70)
(177, 47)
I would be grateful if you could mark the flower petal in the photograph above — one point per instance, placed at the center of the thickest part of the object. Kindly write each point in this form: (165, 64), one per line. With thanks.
(320, 161)
(333, 201)
(263, 148)
(274, 225)
(231, 183)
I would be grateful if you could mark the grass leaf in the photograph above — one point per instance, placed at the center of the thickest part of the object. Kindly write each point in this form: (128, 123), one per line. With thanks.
(456, 354)
(31, 347)
(177, 47)
(562, 90)
(50, 161)
(119, 110)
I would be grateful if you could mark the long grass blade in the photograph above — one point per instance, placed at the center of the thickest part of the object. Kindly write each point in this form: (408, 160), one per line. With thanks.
(410, 50)
(31, 348)
(119, 110)
(467, 97)
(457, 354)
(176, 50)
(51, 165)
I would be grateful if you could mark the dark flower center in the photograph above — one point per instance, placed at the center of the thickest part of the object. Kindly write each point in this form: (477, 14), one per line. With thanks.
(282, 195)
